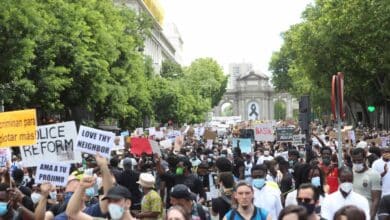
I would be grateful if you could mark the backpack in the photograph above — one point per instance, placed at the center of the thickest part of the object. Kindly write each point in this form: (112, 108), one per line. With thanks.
(263, 214)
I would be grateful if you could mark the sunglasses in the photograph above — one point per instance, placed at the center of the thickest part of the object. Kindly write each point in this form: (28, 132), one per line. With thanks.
(304, 200)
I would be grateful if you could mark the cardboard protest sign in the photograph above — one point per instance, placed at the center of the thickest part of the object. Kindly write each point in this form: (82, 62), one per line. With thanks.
(385, 141)
(55, 143)
(172, 134)
(167, 143)
(297, 139)
(18, 128)
(55, 173)
(351, 136)
(209, 144)
(93, 141)
(244, 143)
(151, 130)
(179, 141)
(5, 156)
(209, 135)
(155, 147)
(284, 134)
(140, 145)
(159, 134)
(119, 143)
(264, 132)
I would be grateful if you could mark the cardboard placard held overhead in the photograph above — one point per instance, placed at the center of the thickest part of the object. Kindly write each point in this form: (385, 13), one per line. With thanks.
(244, 143)
(285, 134)
(94, 141)
(5, 156)
(179, 141)
(209, 135)
(55, 173)
(155, 147)
(18, 128)
(56, 143)
(264, 132)
(167, 143)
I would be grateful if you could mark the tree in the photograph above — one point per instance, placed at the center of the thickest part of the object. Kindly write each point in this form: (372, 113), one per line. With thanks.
(206, 76)
(171, 69)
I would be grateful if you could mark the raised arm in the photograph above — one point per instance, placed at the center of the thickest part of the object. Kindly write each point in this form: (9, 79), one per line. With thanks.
(40, 210)
(107, 181)
(76, 204)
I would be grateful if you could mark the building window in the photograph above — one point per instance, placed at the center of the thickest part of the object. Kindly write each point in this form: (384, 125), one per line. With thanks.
(236, 70)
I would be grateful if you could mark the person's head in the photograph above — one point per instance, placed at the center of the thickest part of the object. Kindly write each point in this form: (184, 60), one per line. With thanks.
(4, 199)
(293, 212)
(223, 164)
(146, 181)
(345, 180)
(226, 180)
(307, 197)
(243, 194)
(114, 162)
(326, 153)
(259, 171)
(293, 156)
(317, 178)
(183, 166)
(181, 195)
(376, 151)
(203, 169)
(18, 175)
(177, 213)
(283, 166)
(119, 201)
(359, 159)
(127, 163)
(301, 174)
(386, 154)
(349, 212)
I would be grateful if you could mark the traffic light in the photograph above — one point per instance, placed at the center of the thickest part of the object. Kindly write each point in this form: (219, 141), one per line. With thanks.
(304, 114)
(371, 108)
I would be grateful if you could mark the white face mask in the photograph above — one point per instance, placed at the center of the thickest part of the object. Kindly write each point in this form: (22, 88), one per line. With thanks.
(358, 167)
(116, 212)
(346, 187)
(266, 153)
(35, 197)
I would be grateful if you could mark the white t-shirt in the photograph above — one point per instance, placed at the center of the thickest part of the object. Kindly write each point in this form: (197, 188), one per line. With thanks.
(333, 202)
(379, 166)
(364, 183)
(269, 199)
(263, 158)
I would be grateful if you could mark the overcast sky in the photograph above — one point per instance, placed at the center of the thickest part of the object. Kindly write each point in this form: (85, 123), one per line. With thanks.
(233, 30)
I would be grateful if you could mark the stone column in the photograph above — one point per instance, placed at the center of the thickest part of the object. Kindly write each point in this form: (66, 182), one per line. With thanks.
(289, 110)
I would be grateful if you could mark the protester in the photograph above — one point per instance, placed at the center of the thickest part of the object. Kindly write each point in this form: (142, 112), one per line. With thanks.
(384, 208)
(349, 212)
(308, 197)
(221, 205)
(382, 166)
(151, 205)
(329, 168)
(344, 196)
(293, 212)
(244, 196)
(366, 181)
(128, 178)
(182, 196)
(177, 213)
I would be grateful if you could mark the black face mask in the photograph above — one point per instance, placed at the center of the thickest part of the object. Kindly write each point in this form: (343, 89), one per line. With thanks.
(309, 207)
(326, 161)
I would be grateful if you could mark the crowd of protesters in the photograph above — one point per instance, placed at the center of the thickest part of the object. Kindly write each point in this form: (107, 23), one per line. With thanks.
(277, 180)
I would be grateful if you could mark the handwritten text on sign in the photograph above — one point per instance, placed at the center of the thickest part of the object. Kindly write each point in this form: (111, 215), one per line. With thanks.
(17, 128)
(55, 173)
(93, 141)
(55, 143)
(264, 132)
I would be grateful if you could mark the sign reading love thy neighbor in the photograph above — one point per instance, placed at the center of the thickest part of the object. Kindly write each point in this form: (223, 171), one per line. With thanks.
(18, 128)
(93, 141)
(55, 173)
(55, 143)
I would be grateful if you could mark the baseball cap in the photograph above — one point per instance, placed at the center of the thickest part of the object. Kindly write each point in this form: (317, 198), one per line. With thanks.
(181, 191)
(118, 192)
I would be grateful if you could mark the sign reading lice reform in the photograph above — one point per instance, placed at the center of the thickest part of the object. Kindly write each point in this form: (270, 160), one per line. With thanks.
(93, 141)
(18, 128)
(55, 143)
(55, 173)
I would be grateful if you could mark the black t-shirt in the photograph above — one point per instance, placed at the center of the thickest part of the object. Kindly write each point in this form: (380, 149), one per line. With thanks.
(384, 207)
(286, 183)
(192, 181)
(238, 162)
(221, 205)
(128, 179)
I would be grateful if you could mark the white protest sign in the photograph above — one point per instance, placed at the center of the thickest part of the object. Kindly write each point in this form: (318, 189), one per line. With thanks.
(351, 136)
(152, 131)
(159, 134)
(264, 132)
(119, 143)
(55, 143)
(55, 173)
(93, 141)
(297, 139)
(167, 143)
(209, 144)
(155, 147)
(5, 155)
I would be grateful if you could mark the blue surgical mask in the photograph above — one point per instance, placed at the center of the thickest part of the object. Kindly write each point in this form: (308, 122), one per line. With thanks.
(258, 183)
(316, 181)
(3, 208)
(90, 192)
(116, 212)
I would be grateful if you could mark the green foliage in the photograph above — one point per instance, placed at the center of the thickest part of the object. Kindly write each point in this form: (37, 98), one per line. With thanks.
(280, 110)
(171, 69)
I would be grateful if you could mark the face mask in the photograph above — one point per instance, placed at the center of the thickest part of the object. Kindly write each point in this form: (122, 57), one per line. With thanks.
(53, 195)
(90, 192)
(358, 167)
(266, 153)
(346, 187)
(179, 171)
(35, 197)
(209, 160)
(326, 161)
(223, 155)
(116, 212)
(3, 208)
(316, 181)
(309, 207)
(291, 163)
(258, 183)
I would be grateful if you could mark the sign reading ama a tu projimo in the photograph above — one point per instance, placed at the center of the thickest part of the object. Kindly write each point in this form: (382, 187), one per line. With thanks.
(94, 141)
(17, 128)
(285, 134)
(55, 143)
(55, 173)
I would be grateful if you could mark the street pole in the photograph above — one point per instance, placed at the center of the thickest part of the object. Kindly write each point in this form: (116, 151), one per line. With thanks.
(2, 105)
(339, 141)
